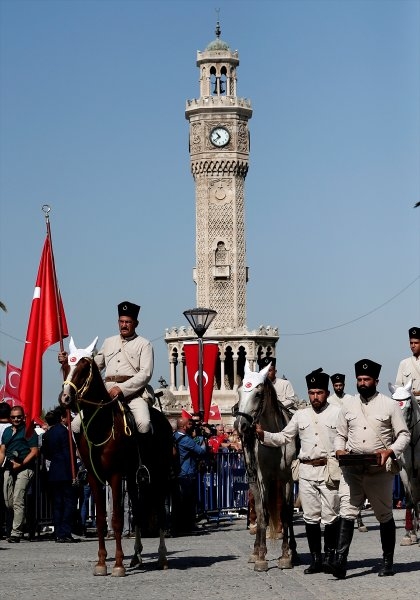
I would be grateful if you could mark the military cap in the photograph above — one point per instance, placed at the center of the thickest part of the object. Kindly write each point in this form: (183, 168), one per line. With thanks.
(128, 309)
(266, 360)
(338, 378)
(367, 367)
(317, 380)
(414, 333)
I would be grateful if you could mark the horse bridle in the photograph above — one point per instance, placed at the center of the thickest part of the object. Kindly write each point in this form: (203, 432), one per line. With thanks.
(83, 389)
(252, 420)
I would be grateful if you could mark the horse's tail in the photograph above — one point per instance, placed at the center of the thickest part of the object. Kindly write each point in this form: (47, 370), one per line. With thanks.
(274, 507)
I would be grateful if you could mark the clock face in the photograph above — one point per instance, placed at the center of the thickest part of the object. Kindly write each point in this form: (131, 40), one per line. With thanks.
(219, 136)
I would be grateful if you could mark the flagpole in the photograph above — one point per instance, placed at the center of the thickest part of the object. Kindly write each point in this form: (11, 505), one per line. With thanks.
(46, 209)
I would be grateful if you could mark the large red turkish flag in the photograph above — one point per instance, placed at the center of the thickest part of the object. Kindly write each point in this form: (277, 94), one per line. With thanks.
(46, 317)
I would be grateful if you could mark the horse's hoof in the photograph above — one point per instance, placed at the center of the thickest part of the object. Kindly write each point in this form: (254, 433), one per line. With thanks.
(414, 538)
(100, 570)
(363, 529)
(261, 566)
(252, 529)
(118, 572)
(135, 562)
(285, 563)
(252, 558)
(407, 541)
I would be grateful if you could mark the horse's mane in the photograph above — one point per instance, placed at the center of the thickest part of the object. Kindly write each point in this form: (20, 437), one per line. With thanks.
(272, 417)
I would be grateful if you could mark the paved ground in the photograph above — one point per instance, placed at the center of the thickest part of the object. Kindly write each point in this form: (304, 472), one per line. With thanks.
(209, 565)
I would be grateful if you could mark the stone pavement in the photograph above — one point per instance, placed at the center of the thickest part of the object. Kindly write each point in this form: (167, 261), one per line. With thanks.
(211, 564)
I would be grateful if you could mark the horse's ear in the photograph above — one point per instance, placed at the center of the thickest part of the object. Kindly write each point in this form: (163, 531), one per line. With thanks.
(408, 386)
(91, 348)
(72, 346)
(264, 371)
(247, 369)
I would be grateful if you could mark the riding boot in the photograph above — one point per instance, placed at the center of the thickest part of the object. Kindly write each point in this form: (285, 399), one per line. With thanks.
(345, 536)
(330, 544)
(388, 545)
(313, 533)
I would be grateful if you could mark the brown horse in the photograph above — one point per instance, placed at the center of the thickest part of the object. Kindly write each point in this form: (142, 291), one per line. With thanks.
(269, 469)
(111, 449)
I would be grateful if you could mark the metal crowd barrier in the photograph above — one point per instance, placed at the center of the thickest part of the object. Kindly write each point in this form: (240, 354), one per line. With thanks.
(223, 486)
(222, 491)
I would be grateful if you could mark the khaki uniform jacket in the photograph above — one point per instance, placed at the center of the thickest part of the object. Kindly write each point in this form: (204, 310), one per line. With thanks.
(133, 357)
(355, 434)
(409, 369)
(306, 424)
(285, 392)
(336, 401)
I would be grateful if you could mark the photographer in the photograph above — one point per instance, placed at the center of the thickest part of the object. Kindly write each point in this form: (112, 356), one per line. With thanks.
(201, 430)
(184, 501)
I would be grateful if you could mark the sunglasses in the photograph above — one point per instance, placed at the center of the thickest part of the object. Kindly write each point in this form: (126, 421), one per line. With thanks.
(16, 417)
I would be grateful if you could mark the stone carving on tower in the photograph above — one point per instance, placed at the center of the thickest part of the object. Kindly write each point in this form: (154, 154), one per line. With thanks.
(219, 145)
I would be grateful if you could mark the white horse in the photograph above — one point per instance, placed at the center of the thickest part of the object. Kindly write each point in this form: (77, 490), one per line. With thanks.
(410, 460)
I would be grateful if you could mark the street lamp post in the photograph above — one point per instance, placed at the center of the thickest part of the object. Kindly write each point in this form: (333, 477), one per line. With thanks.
(200, 320)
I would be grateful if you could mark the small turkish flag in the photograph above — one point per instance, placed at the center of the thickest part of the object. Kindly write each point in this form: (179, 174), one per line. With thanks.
(214, 414)
(10, 390)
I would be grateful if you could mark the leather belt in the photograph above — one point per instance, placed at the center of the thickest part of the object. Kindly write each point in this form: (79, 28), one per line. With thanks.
(315, 462)
(118, 378)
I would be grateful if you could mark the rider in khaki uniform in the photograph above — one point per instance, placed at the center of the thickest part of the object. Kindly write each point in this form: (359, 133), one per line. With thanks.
(410, 367)
(369, 423)
(316, 428)
(284, 389)
(128, 362)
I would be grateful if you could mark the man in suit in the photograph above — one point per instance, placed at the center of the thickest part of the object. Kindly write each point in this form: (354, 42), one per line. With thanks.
(57, 449)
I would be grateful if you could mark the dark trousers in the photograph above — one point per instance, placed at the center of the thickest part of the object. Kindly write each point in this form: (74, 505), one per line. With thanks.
(64, 501)
(184, 505)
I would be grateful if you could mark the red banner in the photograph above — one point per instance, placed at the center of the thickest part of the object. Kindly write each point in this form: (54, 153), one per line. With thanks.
(210, 354)
(10, 391)
(46, 321)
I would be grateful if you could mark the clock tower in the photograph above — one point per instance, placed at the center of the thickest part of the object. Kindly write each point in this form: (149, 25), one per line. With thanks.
(219, 146)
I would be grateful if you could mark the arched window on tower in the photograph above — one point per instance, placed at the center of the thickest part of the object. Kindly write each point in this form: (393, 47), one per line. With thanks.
(218, 82)
(221, 269)
(223, 82)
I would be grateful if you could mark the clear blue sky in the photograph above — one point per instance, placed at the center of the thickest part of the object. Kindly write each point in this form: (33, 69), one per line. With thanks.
(92, 107)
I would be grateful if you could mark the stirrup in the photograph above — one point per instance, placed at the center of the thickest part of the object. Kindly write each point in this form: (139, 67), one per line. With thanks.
(143, 476)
